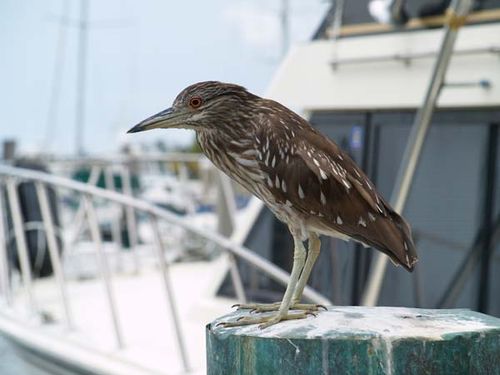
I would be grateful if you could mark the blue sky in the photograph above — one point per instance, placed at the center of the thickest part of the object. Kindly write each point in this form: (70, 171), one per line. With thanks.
(140, 55)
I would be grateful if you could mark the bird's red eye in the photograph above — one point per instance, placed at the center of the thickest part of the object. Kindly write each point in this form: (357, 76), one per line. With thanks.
(195, 102)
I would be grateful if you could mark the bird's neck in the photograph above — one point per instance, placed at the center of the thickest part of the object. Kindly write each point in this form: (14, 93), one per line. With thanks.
(220, 137)
(218, 143)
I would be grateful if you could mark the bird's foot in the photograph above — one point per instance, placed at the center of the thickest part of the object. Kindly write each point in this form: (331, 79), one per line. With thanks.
(265, 307)
(266, 321)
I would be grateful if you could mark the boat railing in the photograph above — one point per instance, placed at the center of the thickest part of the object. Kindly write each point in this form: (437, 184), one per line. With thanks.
(156, 163)
(408, 58)
(124, 166)
(11, 177)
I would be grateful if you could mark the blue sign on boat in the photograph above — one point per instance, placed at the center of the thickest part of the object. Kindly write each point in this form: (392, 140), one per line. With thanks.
(356, 138)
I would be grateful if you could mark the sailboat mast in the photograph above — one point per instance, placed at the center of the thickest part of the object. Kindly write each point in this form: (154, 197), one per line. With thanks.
(285, 26)
(81, 77)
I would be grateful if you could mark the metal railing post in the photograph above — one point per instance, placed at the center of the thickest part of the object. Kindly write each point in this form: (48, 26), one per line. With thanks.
(103, 266)
(79, 218)
(226, 213)
(236, 279)
(337, 25)
(54, 251)
(456, 17)
(115, 223)
(160, 252)
(226, 205)
(130, 216)
(22, 248)
(5, 288)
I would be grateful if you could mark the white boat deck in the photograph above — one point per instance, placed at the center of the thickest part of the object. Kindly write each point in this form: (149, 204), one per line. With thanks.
(144, 316)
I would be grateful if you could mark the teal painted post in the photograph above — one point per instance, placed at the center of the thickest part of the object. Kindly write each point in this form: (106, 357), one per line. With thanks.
(359, 340)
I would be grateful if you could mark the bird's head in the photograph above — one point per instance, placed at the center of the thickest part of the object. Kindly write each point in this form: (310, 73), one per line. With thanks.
(198, 106)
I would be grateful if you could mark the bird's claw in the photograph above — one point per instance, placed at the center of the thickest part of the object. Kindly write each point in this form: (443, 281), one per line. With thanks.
(300, 310)
(267, 307)
(265, 321)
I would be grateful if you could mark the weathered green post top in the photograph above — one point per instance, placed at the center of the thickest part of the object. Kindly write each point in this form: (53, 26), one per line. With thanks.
(359, 340)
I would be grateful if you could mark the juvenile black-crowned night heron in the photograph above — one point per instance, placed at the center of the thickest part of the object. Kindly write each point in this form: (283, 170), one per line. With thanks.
(303, 177)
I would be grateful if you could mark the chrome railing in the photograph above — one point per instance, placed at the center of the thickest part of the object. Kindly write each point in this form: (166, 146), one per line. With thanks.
(10, 177)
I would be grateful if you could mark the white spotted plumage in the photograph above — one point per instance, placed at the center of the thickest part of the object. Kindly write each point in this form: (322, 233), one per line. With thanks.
(306, 180)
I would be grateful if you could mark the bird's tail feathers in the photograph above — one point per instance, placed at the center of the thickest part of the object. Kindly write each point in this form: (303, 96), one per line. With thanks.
(394, 239)
(400, 242)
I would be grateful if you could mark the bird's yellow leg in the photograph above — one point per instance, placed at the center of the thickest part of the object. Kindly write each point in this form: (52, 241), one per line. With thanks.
(313, 253)
(299, 257)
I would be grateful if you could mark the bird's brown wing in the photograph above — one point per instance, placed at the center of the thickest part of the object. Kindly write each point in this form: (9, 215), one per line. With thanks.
(314, 176)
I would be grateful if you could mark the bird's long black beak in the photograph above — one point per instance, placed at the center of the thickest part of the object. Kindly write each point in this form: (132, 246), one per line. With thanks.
(163, 119)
